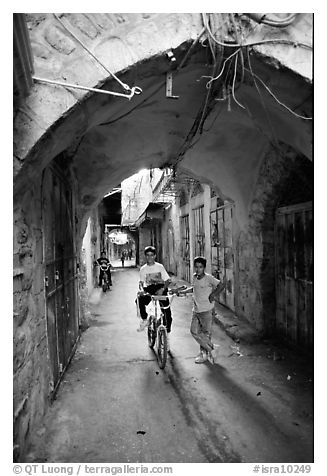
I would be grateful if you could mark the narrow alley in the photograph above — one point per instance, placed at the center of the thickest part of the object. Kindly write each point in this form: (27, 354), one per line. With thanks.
(115, 404)
(190, 133)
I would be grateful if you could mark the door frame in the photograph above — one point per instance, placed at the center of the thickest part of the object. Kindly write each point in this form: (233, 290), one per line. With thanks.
(215, 210)
(57, 369)
(291, 283)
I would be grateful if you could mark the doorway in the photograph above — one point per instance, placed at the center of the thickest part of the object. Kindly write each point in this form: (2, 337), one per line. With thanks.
(60, 270)
(222, 253)
(120, 247)
(199, 235)
(294, 273)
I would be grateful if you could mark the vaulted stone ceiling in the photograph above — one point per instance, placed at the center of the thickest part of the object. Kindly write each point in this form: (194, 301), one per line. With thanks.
(109, 138)
(227, 155)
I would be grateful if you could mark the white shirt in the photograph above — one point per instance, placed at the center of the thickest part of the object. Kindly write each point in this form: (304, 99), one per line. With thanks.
(202, 288)
(154, 274)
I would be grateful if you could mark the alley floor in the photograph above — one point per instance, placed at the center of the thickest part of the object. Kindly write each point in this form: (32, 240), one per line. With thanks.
(116, 405)
(128, 263)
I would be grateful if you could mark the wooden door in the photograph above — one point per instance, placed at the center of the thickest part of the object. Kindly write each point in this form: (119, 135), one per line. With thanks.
(294, 273)
(222, 252)
(60, 270)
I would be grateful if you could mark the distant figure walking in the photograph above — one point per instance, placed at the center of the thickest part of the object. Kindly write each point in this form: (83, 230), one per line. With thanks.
(130, 254)
(122, 257)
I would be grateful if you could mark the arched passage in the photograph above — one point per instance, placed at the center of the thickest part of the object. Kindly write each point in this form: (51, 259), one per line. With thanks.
(121, 243)
(104, 140)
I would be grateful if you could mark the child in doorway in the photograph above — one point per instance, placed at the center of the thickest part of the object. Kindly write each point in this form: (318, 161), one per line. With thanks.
(205, 290)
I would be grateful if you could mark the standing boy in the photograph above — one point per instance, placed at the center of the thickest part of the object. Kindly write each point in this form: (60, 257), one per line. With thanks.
(154, 279)
(205, 290)
(122, 257)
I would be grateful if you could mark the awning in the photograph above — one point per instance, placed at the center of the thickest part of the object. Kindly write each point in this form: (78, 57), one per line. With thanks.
(154, 211)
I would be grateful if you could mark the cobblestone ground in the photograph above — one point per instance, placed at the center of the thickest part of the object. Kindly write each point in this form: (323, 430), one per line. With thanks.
(116, 405)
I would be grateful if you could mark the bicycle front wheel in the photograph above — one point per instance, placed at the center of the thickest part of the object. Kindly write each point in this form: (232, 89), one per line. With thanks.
(152, 333)
(162, 347)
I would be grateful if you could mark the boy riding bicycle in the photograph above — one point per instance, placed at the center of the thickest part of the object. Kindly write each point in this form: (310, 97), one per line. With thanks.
(104, 264)
(154, 279)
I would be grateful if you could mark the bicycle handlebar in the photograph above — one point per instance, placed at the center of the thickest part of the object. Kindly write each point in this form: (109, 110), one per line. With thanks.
(105, 267)
(155, 297)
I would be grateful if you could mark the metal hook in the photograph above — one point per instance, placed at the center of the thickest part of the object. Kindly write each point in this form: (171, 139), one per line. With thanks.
(137, 90)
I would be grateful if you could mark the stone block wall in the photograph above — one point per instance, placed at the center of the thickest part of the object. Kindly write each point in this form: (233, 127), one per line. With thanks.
(31, 370)
(32, 377)
(284, 179)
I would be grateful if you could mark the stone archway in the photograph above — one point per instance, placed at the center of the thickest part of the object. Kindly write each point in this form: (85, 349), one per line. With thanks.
(76, 122)
(285, 179)
(105, 139)
(114, 247)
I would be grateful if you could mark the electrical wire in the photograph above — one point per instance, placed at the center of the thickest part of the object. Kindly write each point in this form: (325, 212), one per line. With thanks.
(233, 87)
(214, 120)
(239, 40)
(280, 23)
(275, 141)
(135, 107)
(277, 100)
(217, 56)
(208, 85)
(260, 42)
(204, 110)
(212, 49)
(197, 39)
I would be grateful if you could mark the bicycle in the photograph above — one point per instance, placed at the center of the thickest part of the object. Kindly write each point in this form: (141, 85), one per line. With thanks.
(105, 277)
(157, 327)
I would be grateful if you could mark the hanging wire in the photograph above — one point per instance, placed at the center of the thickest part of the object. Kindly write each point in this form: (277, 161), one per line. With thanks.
(125, 86)
(260, 42)
(197, 39)
(233, 87)
(208, 85)
(137, 106)
(239, 40)
(214, 120)
(281, 103)
(280, 23)
(275, 141)
(229, 84)
(217, 53)
(273, 95)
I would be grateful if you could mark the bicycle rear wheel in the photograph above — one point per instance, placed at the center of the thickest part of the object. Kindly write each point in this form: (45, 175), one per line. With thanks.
(162, 347)
(152, 333)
